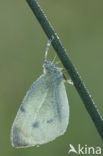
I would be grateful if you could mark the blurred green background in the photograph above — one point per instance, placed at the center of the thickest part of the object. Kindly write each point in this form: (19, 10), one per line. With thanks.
(79, 25)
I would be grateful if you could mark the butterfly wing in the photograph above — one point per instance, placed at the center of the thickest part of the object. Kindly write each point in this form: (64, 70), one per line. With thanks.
(43, 114)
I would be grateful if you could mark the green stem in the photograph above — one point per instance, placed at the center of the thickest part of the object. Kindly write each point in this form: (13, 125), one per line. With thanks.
(61, 52)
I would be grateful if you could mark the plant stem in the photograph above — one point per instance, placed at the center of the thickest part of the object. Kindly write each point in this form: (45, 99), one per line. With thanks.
(62, 54)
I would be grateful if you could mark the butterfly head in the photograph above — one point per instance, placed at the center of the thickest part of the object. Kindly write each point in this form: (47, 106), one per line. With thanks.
(49, 67)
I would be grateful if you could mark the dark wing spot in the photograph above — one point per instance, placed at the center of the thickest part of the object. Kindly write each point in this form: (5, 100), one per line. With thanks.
(17, 140)
(22, 109)
(36, 124)
(50, 121)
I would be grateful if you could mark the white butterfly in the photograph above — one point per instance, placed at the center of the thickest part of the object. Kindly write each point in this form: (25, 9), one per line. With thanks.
(44, 112)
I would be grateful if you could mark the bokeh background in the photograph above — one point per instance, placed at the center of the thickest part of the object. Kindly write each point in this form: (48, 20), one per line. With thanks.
(79, 25)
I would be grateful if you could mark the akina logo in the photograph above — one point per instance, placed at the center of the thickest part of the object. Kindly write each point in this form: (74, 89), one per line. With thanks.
(84, 149)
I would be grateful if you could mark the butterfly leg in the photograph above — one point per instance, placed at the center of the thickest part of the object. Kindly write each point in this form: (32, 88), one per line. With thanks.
(68, 81)
(47, 47)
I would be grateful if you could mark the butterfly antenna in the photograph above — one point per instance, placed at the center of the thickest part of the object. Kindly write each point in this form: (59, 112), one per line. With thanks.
(54, 59)
(47, 47)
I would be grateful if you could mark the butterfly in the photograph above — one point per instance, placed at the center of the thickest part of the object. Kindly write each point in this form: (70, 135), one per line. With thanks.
(44, 112)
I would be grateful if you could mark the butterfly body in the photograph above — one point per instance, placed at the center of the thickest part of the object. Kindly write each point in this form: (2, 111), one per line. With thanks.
(44, 112)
